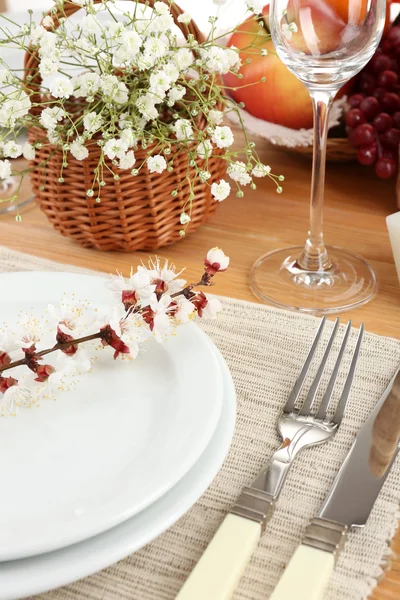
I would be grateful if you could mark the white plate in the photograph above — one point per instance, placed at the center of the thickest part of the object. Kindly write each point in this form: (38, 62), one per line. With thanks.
(29, 576)
(108, 449)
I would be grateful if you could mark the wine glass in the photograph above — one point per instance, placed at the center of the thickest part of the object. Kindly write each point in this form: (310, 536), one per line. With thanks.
(324, 43)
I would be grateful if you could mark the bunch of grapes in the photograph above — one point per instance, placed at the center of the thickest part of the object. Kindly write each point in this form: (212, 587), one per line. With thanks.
(373, 118)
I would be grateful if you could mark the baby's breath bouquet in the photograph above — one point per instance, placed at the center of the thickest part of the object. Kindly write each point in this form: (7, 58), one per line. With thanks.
(128, 91)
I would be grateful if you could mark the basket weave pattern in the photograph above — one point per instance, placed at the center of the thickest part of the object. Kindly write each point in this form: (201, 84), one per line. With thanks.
(135, 212)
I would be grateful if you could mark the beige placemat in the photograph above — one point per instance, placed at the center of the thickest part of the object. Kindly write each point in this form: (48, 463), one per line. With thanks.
(264, 348)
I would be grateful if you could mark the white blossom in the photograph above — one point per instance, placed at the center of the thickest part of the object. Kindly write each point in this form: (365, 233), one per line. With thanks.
(146, 106)
(212, 308)
(216, 59)
(79, 150)
(5, 169)
(215, 116)
(139, 283)
(222, 137)
(154, 48)
(256, 6)
(86, 84)
(127, 161)
(162, 325)
(49, 117)
(176, 93)
(184, 218)
(184, 18)
(261, 170)
(128, 136)
(220, 190)
(204, 149)
(12, 149)
(159, 83)
(156, 164)
(185, 309)
(48, 21)
(116, 29)
(233, 58)
(183, 59)
(171, 71)
(166, 274)
(48, 67)
(115, 148)
(62, 87)
(92, 122)
(36, 34)
(131, 43)
(114, 89)
(288, 29)
(238, 172)
(217, 259)
(183, 129)
(90, 25)
(28, 151)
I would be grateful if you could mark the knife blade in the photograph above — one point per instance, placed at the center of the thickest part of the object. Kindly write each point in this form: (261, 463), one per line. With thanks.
(349, 501)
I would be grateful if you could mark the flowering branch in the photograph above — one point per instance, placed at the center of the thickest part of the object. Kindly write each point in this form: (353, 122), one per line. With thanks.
(152, 302)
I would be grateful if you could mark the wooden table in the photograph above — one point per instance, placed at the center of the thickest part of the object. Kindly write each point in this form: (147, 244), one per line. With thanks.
(357, 203)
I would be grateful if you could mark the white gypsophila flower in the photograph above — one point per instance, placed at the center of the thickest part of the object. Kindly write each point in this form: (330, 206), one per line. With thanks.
(127, 161)
(131, 42)
(184, 18)
(13, 109)
(155, 48)
(233, 57)
(54, 137)
(238, 172)
(83, 2)
(175, 94)
(128, 136)
(5, 169)
(62, 87)
(183, 129)
(220, 190)
(212, 308)
(137, 284)
(114, 89)
(28, 151)
(183, 59)
(92, 122)
(261, 170)
(48, 21)
(116, 30)
(115, 148)
(86, 84)
(219, 2)
(90, 25)
(184, 218)
(215, 116)
(79, 150)
(12, 150)
(36, 33)
(161, 24)
(256, 6)
(4, 76)
(288, 29)
(171, 71)
(49, 117)
(217, 259)
(204, 176)
(146, 106)
(161, 8)
(216, 59)
(185, 309)
(222, 137)
(156, 164)
(204, 149)
(47, 44)
(159, 83)
(48, 67)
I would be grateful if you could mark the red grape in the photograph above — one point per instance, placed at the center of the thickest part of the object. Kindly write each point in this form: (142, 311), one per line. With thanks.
(355, 117)
(385, 168)
(379, 93)
(393, 36)
(355, 100)
(370, 107)
(364, 135)
(387, 153)
(379, 62)
(367, 82)
(382, 122)
(367, 154)
(387, 79)
(396, 119)
(390, 102)
(391, 138)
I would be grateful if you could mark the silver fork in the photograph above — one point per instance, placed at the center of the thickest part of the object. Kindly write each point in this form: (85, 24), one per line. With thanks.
(217, 574)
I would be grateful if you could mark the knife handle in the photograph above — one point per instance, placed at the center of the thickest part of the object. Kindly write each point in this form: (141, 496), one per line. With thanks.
(217, 573)
(306, 576)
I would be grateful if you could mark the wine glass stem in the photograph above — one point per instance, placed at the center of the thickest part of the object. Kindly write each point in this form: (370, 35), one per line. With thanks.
(314, 256)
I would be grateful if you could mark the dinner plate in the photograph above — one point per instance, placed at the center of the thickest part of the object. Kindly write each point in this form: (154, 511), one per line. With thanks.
(38, 574)
(106, 450)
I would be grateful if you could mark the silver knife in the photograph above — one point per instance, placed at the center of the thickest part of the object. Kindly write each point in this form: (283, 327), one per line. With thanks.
(349, 502)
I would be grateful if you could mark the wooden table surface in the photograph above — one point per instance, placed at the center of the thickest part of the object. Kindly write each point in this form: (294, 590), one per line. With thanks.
(357, 203)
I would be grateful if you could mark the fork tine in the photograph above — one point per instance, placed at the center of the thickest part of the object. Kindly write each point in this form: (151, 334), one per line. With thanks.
(337, 417)
(295, 393)
(309, 401)
(326, 400)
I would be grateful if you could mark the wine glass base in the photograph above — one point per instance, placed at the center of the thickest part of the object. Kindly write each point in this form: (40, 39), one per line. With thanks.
(277, 279)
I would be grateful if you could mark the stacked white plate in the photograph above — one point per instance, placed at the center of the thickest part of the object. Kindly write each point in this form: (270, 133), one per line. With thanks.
(96, 475)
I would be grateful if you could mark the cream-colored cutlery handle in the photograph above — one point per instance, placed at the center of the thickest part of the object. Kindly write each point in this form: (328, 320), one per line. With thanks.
(306, 576)
(217, 573)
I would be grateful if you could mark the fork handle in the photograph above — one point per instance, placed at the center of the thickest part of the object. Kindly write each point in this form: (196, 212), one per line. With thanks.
(306, 576)
(217, 573)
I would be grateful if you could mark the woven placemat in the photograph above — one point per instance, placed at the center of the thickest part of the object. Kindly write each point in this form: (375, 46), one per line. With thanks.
(265, 349)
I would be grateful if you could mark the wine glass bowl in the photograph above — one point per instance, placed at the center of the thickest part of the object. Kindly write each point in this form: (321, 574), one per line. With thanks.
(324, 43)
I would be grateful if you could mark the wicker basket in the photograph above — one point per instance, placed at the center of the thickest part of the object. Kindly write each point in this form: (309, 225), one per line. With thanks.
(135, 212)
